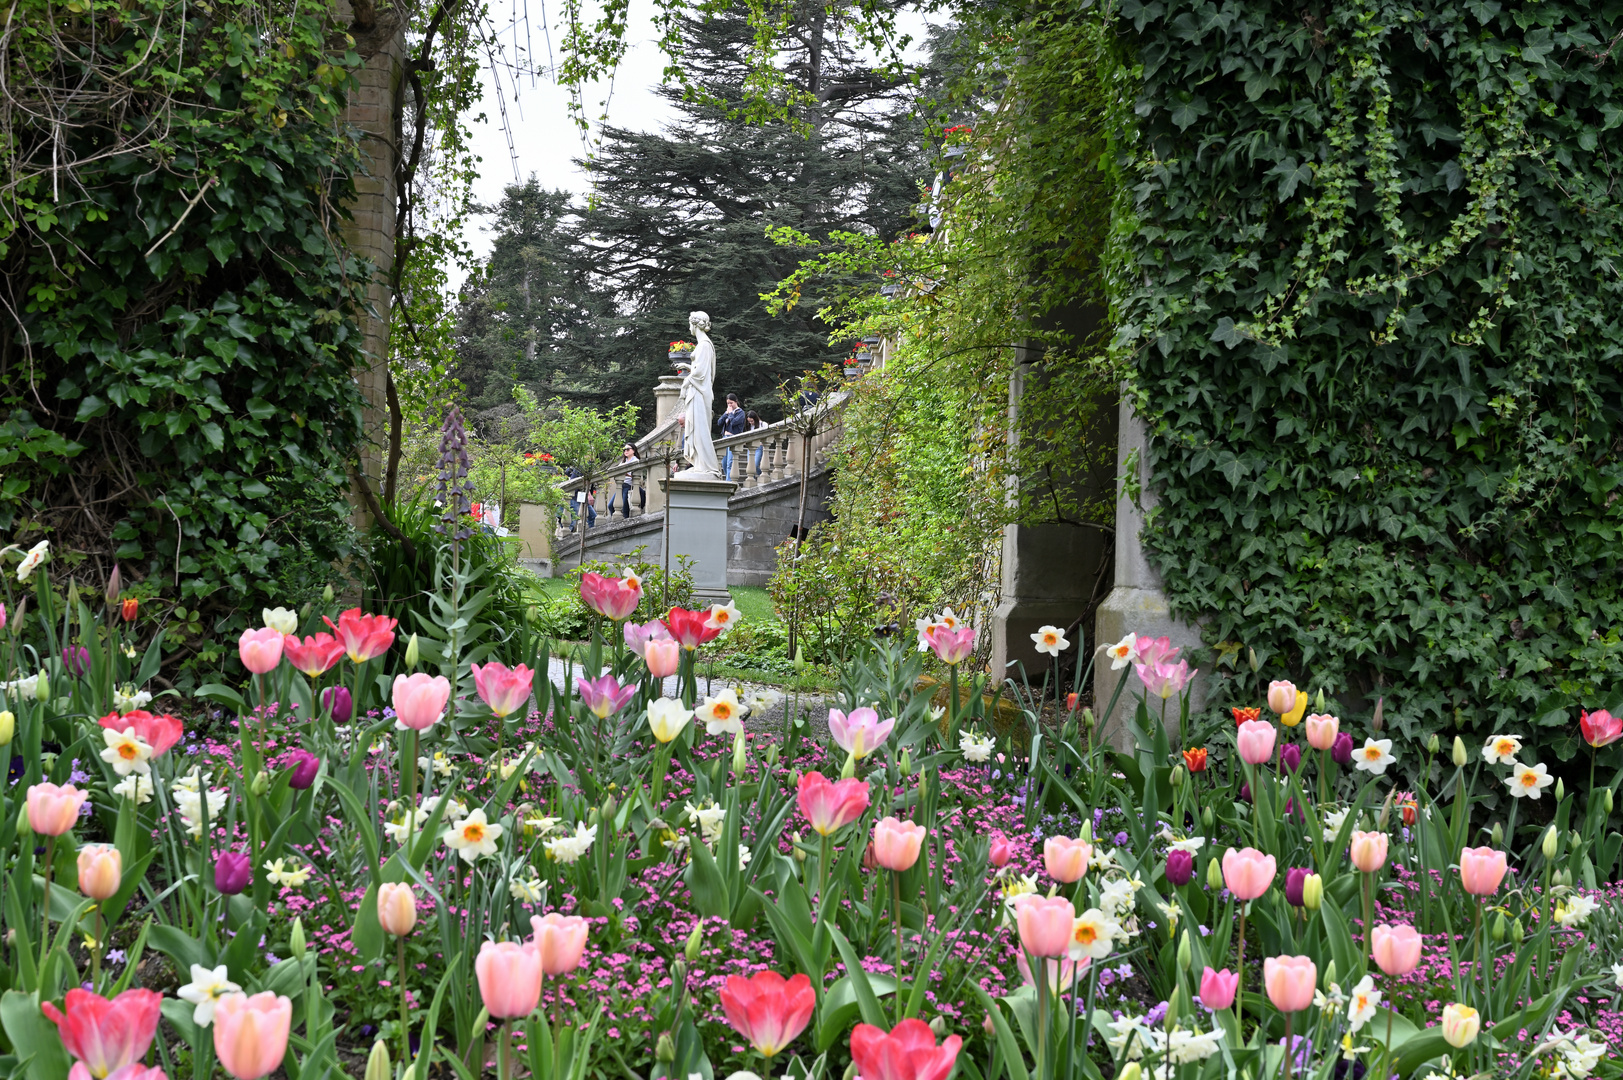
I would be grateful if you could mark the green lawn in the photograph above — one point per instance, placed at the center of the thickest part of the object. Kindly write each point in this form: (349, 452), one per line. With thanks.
(753, 603)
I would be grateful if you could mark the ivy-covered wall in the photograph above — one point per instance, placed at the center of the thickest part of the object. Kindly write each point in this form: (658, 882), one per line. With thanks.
(176, 388)
(1373, 298)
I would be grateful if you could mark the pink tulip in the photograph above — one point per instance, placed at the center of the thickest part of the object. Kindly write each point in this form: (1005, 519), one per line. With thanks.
(133, 1071)
(767, 1009)
(611, 598)
(859, 733)
(1481, 870)
(952, 647)
(504, 689)
(1247, 873)
(638, 635)
(559, 940)
(250, 1033)
(603, 696)
(1217, 988)
(1045, 924)
(999, 853)
(104, 1035)
(101, 868)
(896, 843)
(1322, 730)
(261, 650)
(419, 699)
(663, 656)
(1282, 696)
(830, 807)
(1396, 948)
(54, 810)
(1163, 678)
(1290, 981)
(1066, 860)
(1156, 650)
(1256, 741)
(397, 908)
(509, 978)
(1600, 728)
(1368, 850)
(907, 1052)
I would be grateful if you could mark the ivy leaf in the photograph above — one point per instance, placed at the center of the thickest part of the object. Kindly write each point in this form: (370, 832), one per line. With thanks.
(1291, 174)
(1227, 333)
(1189, 109)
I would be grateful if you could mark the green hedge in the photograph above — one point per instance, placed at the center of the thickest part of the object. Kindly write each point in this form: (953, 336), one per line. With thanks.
(1373, 298)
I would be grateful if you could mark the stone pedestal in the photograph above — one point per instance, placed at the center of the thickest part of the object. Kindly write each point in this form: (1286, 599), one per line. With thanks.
(698, 524)
(1138, 602)
(666, 392)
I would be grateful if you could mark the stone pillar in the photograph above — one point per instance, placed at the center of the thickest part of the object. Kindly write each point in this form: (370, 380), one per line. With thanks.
(1138, 603)
(698, 524)
(666, 391)
(374, 110)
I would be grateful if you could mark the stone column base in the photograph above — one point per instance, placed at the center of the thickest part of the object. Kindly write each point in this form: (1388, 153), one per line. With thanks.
(698, 522)
(1144, 612)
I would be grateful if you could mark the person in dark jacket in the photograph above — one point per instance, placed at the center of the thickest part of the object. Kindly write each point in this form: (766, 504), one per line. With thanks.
(731, 422)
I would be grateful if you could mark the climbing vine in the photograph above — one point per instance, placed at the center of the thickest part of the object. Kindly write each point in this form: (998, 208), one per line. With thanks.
(1373, 316)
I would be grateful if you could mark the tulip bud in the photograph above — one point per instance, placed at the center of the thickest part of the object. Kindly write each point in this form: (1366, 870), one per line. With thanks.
(904, 763)
(1376, 722)
(800, 660)
(377, 1063)
(1214, 875)
(261, 782)
(850, 768)
(664, 1048)
(1318, 702)
(1086, 835)
(794, 779)
(851, 1072)
(739, 756)
(306, 611)
(8, 728)
(1251, 658)
(679, 974)
(1608, 800)
(295, 939)
(1312, 892)
(1560, 790)
(1174, 1009)
(326, 595)
(1087, 719)
(938, 1025)
(1461, 756)
(1330, 973)
(772, 755)
(1552, 842)
(42, 689)
(1499, 928)
(1208, 819)
(1133, 1071)
(1433, 744)
(800, 852)
(115, 585)
(1516, 932)
(609, 806)
(1177, 777)
(1186, 953)
(413, 652)
(695, 939)
(1498, 834)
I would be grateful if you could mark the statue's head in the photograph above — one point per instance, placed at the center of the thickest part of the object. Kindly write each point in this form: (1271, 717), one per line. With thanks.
(698, 320)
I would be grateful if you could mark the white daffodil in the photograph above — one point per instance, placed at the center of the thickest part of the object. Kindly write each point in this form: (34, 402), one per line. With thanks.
(743, 856)
(722, 616)
(723, 713)
(1132, 1036)
(568, 849)
(290, 877)
(455, 809)
(126, 752)
(36, 555)
(280, 619)
(1374, 756)
(1330, 1002)
(1187, 1047)
(1116, 896)
(709, 819)
(205, 990)
(1191, 845)
(408, 826)
(667, 718)
(137, 786)
(976, 748)
(1123, 652)
(1050, 640)
(526, 892)
(439, 764)
(1502, 749)
(1574, 910)
(540, 825)
(923, 627)
(127, 698)
(473, 836)
(1617, 975)
(1332, 823)
(1092, 935)
(1579, 1054)
(1363, 1003)
(1528, 780)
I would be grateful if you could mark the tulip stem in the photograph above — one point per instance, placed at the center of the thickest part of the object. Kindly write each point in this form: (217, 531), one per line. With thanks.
(822, 877)
(405, 1013)
(95, 950)
(1239, 969)
(503, 1065)
(45, 906)
(896, 894)
(1039, 969)
(1285, 1058)
(408, 779)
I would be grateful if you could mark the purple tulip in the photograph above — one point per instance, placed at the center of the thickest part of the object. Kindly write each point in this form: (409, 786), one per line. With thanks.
(1290, 756)
(1294, 879)
(305, 766)
(76, 658)
(336, 700)
(1180, 867)
(232, 872)
(1245, 792)
(1341, 751)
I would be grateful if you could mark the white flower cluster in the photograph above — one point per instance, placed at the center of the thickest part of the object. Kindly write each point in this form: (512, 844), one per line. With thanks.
(1137, 1039)
(127, 698)
(187, 792)
(1576, 1055)
(27, 689)
(568, 849)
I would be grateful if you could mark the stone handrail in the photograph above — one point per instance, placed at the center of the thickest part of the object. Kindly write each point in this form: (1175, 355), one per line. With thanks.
(752, 459)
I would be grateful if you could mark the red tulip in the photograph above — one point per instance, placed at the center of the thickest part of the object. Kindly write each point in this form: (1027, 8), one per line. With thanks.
(688, 627)
(767, 1009)
(159, 732)
(504, 689)
(907, 1052)
(314, 655)
(1600, 728)
(106, 1035)
(364, 636)
(831, 806)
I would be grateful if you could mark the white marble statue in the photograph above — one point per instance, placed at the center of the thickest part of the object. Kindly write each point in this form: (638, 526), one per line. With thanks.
(694, 402)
